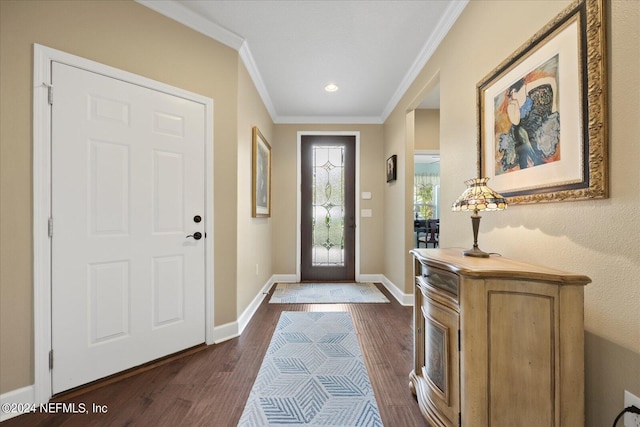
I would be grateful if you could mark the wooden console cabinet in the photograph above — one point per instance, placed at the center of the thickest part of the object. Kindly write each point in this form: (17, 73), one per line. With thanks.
(498, 342)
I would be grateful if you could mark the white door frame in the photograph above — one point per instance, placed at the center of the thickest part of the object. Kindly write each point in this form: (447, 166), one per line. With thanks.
(356, 134)
(43, 56)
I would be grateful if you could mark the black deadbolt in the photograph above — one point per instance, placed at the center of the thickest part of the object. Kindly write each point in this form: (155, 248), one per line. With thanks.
(197, 218)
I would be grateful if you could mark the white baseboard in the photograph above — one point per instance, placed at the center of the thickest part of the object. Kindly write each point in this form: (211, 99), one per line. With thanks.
(284, 278)
(248, 313)
(225, 332)
(19, 397)
(234, 329)
(398, 294)
(370, 278)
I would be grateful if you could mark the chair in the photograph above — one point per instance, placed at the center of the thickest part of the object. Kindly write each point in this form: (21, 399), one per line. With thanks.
(419, 228)
(432, 234)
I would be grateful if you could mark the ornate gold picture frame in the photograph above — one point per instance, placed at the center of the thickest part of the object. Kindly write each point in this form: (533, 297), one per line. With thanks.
(261, 176)
(542, 113)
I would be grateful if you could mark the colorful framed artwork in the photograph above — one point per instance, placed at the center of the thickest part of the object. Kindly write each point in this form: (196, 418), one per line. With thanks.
(392, 163)
(261, 176)
(542, 119)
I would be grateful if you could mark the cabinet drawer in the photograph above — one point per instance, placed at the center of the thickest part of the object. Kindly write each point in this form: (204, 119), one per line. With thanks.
(440, 279)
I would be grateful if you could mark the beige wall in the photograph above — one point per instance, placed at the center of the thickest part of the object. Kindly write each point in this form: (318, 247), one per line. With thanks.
(254, 234)
(372, 178)
(427, 133)
(398, 130)
(131, 37)
(596, 238)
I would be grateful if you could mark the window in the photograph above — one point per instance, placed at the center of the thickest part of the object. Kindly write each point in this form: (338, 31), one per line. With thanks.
(424, 204)
(426, 185)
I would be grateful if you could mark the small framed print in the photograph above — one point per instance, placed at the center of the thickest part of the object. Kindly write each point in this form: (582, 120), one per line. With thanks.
(392, 163)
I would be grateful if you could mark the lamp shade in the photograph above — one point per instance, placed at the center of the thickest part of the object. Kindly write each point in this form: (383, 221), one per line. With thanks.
(479, 197)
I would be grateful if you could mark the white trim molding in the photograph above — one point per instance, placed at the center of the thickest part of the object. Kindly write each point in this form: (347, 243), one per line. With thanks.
(43, 57)
(398, 294)
(234, 329)
(41, 213)
(251, 309)
(403, 298)
(176, 11)
(450, 16)
(331, 120)
(225, 332)
(256, 77)
(18, 401)
(284, 278)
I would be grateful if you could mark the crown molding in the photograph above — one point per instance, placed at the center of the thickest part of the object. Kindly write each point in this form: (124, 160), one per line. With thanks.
(450, 16)
(254, 73)
(176, 11)
(345, 120)
(181, 14)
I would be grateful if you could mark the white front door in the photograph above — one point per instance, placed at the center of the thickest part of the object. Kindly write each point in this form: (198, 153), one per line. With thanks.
(128, 191)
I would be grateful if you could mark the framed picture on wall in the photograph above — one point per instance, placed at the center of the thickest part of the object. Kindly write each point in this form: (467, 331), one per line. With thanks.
(261, 176)
(391, 168)
(542, 113)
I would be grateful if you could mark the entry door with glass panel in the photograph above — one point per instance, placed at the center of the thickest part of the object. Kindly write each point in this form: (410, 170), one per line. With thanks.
(328, 208)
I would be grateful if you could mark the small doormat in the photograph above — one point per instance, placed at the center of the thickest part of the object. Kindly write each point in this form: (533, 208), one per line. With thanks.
(326, 293)
(312, 374)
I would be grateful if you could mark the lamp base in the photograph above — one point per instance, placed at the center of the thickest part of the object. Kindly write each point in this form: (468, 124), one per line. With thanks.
(476, 252)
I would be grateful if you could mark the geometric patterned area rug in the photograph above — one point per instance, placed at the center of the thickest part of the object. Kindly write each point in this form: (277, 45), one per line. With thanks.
(319, 293)
(313, 374)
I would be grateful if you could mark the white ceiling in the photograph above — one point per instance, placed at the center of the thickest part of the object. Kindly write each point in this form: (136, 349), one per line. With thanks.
(372, 50)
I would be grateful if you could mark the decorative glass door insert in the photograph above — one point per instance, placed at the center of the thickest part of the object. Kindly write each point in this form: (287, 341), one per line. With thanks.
(328, 206)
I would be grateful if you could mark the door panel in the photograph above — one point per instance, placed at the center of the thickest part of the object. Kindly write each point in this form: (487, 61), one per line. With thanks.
(109, 289)
(328, 208)
(168, 197)
(109, 188)
(127, 180)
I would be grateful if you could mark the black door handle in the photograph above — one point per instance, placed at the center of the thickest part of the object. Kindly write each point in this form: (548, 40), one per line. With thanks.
(197, 235)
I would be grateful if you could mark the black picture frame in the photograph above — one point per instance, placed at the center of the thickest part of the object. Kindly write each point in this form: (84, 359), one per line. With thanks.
(392, 163)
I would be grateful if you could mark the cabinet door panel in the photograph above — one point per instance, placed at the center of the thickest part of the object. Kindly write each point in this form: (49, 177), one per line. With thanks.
(441, 365)
(521, 355)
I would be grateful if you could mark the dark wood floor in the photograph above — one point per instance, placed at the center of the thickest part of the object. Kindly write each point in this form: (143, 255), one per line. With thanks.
(210, 387)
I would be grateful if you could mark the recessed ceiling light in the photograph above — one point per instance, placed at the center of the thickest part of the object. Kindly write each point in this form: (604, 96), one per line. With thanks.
(331, 87)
